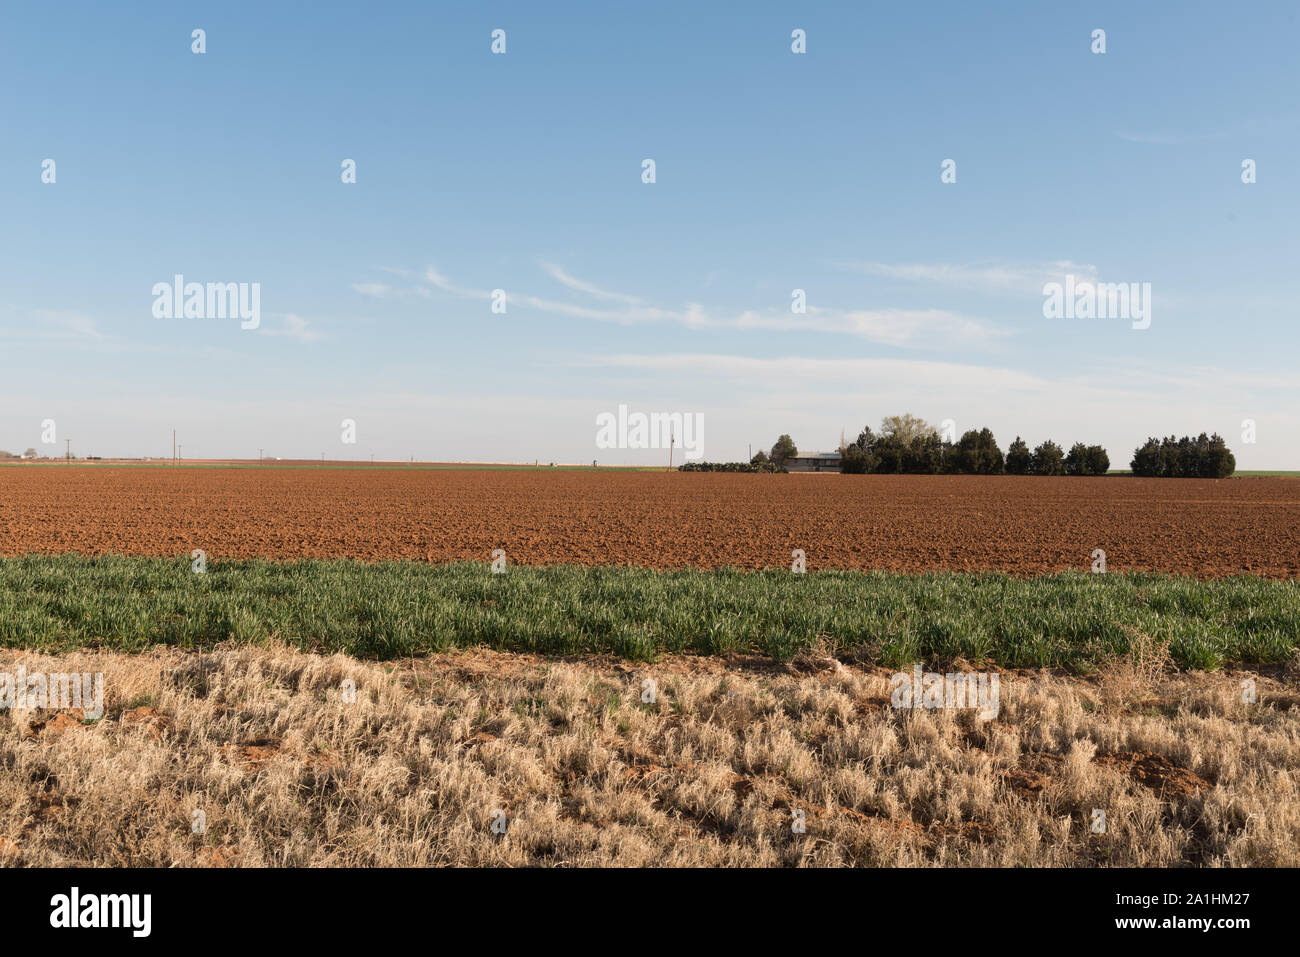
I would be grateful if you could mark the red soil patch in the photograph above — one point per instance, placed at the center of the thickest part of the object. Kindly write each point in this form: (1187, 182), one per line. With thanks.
(1016, 524)
(51, 806)
(220, 856)
(1156, 772)
(147, 718)
(1026, 783)
(252, 756)
(52, 725)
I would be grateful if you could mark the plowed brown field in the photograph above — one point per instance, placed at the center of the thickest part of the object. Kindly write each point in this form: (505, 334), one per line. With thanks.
(901, 523)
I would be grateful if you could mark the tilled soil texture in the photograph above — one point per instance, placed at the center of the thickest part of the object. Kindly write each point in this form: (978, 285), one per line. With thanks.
(1021, 525)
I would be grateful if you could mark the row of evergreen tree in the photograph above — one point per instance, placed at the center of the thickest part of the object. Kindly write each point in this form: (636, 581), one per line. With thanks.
(1206, 456)
(906, 444)
(975, 453)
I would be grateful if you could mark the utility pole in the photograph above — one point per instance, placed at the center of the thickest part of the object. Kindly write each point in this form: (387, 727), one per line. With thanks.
(69, 452)
(259, 456)
(672, 440)
(173, 448)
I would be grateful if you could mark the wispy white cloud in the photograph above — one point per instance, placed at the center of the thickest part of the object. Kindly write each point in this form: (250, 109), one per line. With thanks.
(1135, 396)
(65, 327)
(292, 326)
(910, 375)
(1117, 406)
(435, 278)
(626, 316)
(894, 327)
(1011, 277)
(578, 285)
(64, 324)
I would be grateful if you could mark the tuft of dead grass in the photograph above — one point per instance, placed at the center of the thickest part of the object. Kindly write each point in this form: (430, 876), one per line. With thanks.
(288, 769)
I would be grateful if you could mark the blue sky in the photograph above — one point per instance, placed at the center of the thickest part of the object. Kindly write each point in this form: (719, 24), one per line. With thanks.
(522, 172)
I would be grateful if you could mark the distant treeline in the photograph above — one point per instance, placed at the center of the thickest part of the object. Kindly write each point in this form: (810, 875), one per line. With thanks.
(975, 453)
(1206, 456)
(908, 445)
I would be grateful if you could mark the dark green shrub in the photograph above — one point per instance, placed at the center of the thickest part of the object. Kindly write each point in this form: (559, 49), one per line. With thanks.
(782, 450)
(1018, 457)
(1097, 461)
(977, 453)
(923, 455)
(860, 456)
(1047, 460)
(1148, 460)
(1206, 456)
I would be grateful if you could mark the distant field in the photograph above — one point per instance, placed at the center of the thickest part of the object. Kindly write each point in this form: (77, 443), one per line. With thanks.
(435, 466)
(907, 523)
(1247, 473)
(399, 609)
(329, 465)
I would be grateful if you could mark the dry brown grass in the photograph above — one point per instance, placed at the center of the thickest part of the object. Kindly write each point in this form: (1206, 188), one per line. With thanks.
(710, 774)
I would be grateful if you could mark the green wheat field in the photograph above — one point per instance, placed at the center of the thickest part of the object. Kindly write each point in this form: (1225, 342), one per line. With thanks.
(389, 610)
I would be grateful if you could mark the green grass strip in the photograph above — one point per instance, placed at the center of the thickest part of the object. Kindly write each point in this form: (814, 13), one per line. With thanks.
(391, 609)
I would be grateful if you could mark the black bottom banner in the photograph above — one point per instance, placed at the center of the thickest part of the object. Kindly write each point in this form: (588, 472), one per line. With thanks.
(144, 907)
